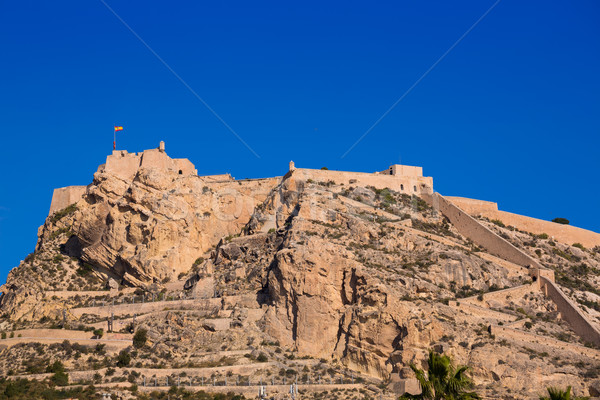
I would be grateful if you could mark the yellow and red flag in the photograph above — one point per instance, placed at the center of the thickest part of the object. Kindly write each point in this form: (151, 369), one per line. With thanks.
(118, 128)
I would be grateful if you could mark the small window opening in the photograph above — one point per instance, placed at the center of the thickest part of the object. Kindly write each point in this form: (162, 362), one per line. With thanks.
(401, 187)
(415, 188)
(180, 172)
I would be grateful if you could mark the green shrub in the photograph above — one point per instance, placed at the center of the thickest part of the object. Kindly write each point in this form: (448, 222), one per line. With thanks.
(60, 379)
(63, 213)
(324, 168)
(262, 357)
(56, 366)
(123, 359)
(563, 221)
(579, 246)
(199, 261)
(542, 236)
(140, 338)
(84, 270)
(98, 333)
(498, 222)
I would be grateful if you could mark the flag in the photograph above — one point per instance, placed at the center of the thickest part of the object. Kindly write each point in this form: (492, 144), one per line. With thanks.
(118, 128)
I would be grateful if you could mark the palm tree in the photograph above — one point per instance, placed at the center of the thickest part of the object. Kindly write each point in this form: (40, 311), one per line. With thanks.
(558, 394)
(442, 381)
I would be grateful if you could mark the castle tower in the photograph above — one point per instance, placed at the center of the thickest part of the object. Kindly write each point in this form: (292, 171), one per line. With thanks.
(292, 166)
(161, 146)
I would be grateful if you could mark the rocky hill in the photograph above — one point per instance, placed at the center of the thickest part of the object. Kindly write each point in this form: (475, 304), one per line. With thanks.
(337, 286)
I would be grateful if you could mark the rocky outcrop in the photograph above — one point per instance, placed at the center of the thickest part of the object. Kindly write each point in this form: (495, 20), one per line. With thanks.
(153, 228)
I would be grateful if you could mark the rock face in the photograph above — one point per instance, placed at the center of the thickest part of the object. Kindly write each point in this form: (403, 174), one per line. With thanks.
(152, 228)
(363, 279)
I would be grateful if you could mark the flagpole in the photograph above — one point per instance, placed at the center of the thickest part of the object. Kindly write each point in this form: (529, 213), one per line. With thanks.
(114, 138)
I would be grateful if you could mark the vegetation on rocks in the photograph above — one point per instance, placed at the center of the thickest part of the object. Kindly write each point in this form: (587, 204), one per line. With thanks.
(559, 394)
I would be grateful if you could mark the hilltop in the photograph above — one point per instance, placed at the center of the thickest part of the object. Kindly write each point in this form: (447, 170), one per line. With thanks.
(334, 280)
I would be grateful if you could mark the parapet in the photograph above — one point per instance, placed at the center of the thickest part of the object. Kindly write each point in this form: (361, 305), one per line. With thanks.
(402, 170)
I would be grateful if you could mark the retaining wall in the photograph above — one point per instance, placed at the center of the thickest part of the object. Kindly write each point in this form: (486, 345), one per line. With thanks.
(141, 308)
(483, 313)
(570, 312)
(502, 295)
(563, 233)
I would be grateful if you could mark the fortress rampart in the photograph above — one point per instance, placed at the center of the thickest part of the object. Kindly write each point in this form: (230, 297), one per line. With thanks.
(125, 165)
(401, 178)
(570, 312)
(482, 236)
(65, 196)
(563, 233)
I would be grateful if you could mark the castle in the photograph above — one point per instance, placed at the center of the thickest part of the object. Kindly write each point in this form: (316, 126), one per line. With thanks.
(405, 179)
(401, 178)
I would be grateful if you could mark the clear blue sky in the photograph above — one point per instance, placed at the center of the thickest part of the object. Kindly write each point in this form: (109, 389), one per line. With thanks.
(510, 115)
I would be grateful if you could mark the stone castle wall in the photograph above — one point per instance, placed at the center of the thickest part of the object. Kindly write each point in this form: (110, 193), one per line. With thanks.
(411, 184)
(125, 165)
(65, 196)
(570, 312)
(403, 170)
(563, 233)
(480, 235)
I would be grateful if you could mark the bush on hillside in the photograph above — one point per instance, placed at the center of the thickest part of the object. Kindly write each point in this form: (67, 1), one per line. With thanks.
(140, 338)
